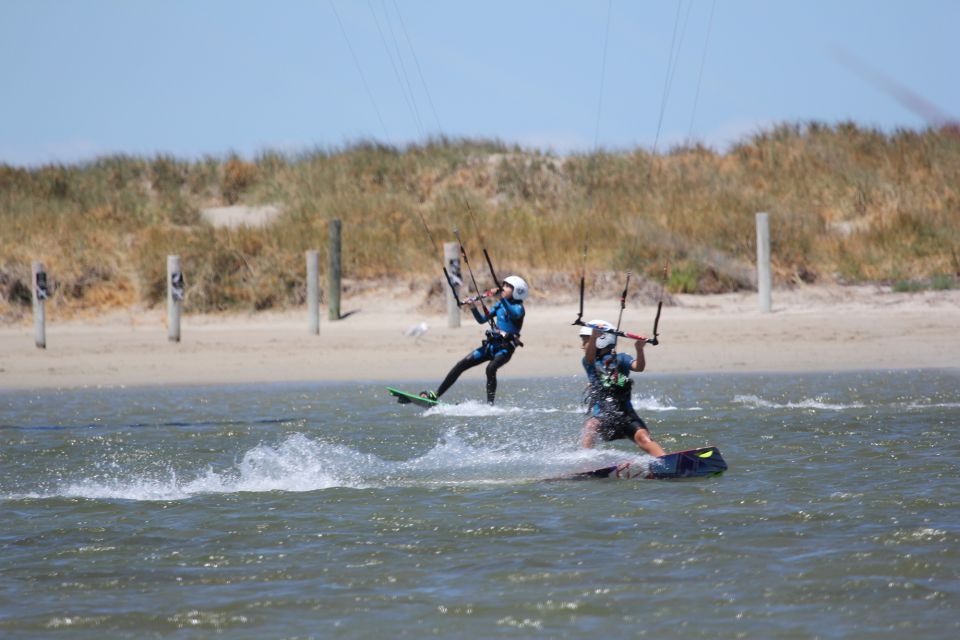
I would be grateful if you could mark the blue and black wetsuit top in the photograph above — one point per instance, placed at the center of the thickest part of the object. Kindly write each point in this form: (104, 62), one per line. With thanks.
(507, 317)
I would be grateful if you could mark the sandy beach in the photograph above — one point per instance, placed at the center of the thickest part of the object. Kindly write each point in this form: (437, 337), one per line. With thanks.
(821, 328)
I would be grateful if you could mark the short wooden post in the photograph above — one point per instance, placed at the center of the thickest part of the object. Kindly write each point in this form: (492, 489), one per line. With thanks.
(40, 292)
(313, 293)
(174, 297)
(763, 261)
(451, 259)
(333, 272)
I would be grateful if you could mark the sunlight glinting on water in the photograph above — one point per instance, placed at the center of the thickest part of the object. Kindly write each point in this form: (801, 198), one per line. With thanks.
(337, 506)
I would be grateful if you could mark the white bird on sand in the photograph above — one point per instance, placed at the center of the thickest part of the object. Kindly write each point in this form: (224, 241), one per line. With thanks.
(416, 330)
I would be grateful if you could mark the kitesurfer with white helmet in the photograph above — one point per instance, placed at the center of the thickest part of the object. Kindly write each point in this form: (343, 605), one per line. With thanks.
(502, 339)
(612, 415)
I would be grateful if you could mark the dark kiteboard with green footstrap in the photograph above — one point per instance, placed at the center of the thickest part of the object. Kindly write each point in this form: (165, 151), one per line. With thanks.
(694, 463)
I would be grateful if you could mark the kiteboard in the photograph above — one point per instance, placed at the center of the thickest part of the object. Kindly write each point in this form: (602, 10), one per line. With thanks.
(693, 463)
(412, 398)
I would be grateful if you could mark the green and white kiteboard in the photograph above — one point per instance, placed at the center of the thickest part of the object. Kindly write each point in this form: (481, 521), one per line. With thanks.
(412, 398)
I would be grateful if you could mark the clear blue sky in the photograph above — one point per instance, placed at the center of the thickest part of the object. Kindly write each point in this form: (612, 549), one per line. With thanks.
(195, 77)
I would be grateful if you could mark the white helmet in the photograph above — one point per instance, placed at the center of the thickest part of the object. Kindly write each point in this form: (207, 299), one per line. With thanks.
(520, 289)
(586, 331)
(605, 340)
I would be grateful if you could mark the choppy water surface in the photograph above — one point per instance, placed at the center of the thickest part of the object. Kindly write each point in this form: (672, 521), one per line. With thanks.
(330, 511)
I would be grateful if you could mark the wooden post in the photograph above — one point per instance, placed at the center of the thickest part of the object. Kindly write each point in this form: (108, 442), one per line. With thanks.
(40, 292)
(174, 297)
(451, 259)
(333, 272)
(763, 261)
(313, 293)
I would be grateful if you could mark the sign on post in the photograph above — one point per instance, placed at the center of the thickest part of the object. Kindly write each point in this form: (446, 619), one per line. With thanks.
(40, 294)
(175, 288)
(451, 259)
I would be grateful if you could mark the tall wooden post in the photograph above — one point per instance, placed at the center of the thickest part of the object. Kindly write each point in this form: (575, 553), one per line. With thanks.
(175, 288)
(313, 293)
(333, 272)
(40, 292)
(763, 261)
(451, 259)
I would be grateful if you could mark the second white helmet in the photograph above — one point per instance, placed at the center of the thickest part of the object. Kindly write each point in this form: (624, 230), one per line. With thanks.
(520, 289)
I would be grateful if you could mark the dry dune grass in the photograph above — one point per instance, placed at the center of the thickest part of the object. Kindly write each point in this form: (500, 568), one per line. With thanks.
(846, 205)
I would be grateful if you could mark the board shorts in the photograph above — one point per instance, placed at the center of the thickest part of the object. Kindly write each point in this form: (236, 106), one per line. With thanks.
(615, 425)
